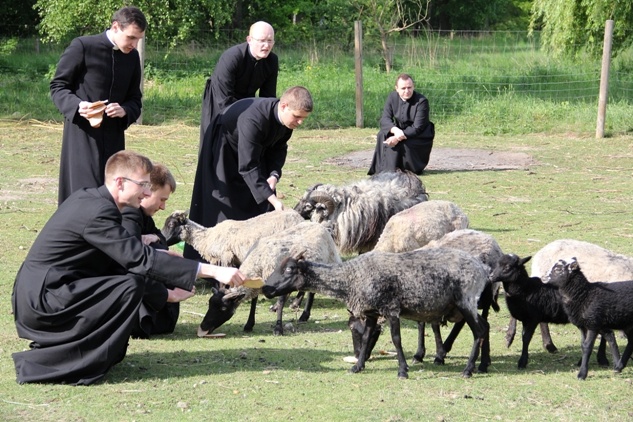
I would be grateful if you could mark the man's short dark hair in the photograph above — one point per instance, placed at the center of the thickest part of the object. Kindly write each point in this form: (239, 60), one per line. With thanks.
(161, 176)
(130, 15)
(298, 98)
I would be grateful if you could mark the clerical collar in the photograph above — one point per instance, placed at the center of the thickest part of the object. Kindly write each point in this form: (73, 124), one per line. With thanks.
(109, 35)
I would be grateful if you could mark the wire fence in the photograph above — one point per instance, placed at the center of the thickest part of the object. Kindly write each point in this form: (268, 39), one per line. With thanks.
(459, 71)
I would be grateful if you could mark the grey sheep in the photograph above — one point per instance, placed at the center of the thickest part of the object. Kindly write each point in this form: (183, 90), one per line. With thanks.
(426, 285)
(595, 308)
(317, 244)
(598, 263)
(358, 212)
(418, 225)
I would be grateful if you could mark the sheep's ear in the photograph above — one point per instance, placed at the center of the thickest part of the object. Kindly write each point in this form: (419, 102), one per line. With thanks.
(524, 260)
(573, 264)
(299, 255)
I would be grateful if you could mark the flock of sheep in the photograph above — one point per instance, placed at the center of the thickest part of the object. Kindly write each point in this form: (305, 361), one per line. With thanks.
(416, 260)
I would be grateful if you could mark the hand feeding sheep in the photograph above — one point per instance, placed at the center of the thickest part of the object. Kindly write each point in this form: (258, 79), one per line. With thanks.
(427, 285)
(595, 308)
(599, 264)
(358, 212)
(317, 244)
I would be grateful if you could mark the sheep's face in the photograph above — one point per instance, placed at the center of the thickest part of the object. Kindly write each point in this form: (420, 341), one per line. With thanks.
(509, 269)
(284, 280)
(560, 272)
(222, 307)
(172, 228)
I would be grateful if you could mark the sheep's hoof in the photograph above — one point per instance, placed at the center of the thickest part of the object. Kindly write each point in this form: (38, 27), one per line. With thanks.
(482, 369)
(604, 363)
(355, 369)
(417, 359)
(467, 374)
(304, 317)
(248, 328)
(582, 375)
(438, 361)
(403, 375)
(550, 348)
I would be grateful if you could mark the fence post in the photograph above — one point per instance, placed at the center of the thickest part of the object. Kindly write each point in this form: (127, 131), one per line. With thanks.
(141, 52)
(604, 79)
(358, 60)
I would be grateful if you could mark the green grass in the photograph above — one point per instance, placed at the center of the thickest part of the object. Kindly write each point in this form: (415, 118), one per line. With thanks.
(578, 187)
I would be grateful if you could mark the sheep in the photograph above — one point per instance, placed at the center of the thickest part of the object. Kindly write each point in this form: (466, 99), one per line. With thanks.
(486, 249)
(260, 262)
(358, 212)
(426, 285)
(529, 300)
(416, 226)
(595, 308)
(229, 241)
(227, 244)
(599, 264)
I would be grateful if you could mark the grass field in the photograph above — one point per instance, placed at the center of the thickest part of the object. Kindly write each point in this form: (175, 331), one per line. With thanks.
(578, 188)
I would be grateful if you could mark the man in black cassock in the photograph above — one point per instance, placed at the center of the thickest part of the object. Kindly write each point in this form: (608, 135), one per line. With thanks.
(160, 307)
(406, 134)
(240, 72)
(242, 156)
(96, 68)
(77, 294)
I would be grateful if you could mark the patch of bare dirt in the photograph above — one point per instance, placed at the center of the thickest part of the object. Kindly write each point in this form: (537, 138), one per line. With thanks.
(452, 159)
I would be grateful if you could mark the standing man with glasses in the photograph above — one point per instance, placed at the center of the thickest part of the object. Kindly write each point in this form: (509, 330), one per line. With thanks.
(241, 71)
(97, 68)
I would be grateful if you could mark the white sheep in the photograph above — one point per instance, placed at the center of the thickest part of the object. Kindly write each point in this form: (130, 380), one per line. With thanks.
(414, 227)
(229, 241)
(264, 256)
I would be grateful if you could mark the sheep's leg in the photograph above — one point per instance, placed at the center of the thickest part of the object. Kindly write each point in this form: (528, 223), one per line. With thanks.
(370, 326)
(485, 361)
(626, 355)
(440, 351)
(305, 316)
(528, 333)
(609, 337)
(421, 352)
(548, 343)
(511, 331)
(403, 368)
(457, 328)
(587, 348)
(250, 322)
(278, 330)
(296, 302)
(601, 356)
(478, 326)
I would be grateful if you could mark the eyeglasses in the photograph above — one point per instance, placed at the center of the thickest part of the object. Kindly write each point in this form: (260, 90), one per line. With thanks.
(144, 185)
(270, 42)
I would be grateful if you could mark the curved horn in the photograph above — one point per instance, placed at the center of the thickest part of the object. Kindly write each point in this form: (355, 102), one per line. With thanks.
(325, 199)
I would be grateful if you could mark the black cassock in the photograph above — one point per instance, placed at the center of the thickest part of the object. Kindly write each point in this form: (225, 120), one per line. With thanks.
(245, 145)
(91, 70)
(156, 315)
(237, 75)
(412, 116)
(77, 294)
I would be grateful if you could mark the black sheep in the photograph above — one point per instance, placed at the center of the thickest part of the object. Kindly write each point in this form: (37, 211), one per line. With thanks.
(530, 301)
(595, 308)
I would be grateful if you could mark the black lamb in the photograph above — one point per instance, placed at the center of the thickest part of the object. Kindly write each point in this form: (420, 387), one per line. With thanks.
(595, 308)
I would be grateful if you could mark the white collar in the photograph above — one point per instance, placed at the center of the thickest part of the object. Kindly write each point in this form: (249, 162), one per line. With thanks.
(109, 35)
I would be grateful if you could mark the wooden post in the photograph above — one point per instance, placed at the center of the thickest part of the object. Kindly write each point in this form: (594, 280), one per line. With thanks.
(358, 59)
(604, 79)
(141, 52)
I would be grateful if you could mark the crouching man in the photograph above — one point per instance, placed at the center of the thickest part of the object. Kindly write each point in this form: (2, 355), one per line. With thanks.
(77, 295)
(160, 307)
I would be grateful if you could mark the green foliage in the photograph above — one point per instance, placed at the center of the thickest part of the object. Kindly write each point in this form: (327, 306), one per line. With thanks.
(173, 21)
(571, 27)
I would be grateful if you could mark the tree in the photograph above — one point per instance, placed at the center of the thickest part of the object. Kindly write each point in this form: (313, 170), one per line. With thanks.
(17, 18)
(168, 20)
(389, 17)
(572, 26)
